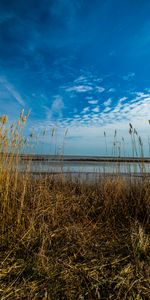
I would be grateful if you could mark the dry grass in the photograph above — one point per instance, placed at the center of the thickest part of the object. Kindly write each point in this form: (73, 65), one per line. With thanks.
(70, 240)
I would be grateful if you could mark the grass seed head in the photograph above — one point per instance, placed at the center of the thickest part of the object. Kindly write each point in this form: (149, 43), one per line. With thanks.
(3, 119)
(53, 131)
(21, 113)
(28, 113)
(44, 132)
(130, 130)
(24, 119)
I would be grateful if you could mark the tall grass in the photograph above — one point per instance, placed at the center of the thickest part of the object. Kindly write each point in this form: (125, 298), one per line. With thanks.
(64, 239)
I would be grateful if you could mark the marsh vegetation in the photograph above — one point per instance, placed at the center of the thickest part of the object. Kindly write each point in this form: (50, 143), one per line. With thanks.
(65, 239)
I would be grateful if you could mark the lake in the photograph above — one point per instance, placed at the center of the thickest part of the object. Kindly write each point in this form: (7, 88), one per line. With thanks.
(82, 164)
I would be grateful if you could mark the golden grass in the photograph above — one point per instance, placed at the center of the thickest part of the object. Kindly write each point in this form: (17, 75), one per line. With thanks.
(62, 239)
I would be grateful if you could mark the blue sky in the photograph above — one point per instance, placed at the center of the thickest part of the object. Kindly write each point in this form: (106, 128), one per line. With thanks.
(82, 65)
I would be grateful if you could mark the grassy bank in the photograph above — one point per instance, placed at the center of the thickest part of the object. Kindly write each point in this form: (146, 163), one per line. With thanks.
(62, 239)
(67, 240)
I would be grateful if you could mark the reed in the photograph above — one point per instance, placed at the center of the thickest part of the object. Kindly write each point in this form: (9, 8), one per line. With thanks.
(66, 239)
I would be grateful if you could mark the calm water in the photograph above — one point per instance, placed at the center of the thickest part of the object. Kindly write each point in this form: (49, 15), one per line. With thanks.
(52, 166)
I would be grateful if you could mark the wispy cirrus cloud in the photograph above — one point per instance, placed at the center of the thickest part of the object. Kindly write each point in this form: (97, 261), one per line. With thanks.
(79, 88)
(108, 108)
(108, 102)
(96, 109)
(12, 90)
(93, 101)
(135, 110)
(123, 99)
(122, 112)
(111, 90)
(100, 89)
(85, 83)
(85, 109)
(55, 111)
(81, 79)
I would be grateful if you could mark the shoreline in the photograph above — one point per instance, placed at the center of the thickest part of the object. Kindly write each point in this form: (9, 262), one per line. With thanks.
(74, 158)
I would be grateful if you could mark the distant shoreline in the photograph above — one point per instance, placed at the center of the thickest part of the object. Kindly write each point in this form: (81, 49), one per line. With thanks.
(74, 158)
(87, 159)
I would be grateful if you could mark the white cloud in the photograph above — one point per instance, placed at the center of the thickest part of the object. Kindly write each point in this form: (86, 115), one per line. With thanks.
(86, 109)
(107, 109)
(98, 80)
(95, 109)
(86, 82)
(122, 99)
(89, 97)
(77, 116)
(86, 117)
(100, 89)
(81, 79)
(93, 101)
(79, 88)
(112, 90)
(141, 95)
(108, 102)
(90, 124)
(136, 111)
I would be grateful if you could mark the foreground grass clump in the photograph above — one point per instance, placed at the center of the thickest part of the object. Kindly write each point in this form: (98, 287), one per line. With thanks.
(62, 239)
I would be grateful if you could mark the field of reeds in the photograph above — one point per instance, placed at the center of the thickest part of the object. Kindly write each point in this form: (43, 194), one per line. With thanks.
(66, 239)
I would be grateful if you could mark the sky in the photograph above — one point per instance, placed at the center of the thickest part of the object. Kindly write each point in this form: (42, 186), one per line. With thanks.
(80, 65)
